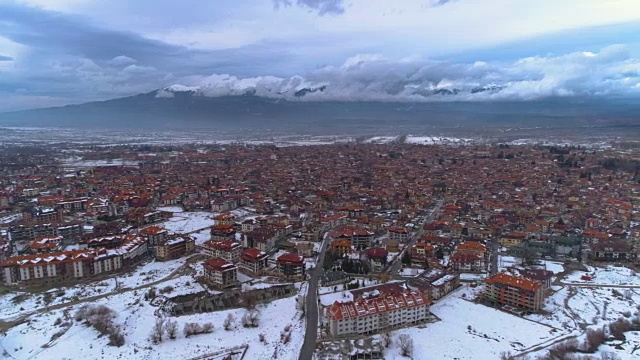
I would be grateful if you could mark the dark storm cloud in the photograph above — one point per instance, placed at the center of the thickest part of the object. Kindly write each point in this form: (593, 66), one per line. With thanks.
(69, 57)
(323, 7)
(49, 31)
(50, 34)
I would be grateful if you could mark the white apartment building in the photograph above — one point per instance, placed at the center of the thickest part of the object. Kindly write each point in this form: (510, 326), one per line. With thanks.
(377, 312)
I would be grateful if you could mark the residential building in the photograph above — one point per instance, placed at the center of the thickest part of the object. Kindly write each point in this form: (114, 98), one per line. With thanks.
(359, 236)
(253, 261)
(290, 265)
(612, 250)
(400, 234)
(377, 258)
(220, 273)
(377, 312)
(227, 249)
(173, 248)
(515, 291)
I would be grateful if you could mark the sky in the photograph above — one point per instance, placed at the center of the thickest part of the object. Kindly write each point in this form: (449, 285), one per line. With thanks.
(58, 52)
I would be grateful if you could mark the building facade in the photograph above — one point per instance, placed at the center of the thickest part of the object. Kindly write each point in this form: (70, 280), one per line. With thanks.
(220, 273)
(377, 312)
(516, 291)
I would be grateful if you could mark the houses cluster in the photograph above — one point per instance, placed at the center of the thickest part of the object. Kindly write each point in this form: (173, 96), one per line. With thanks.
(371, 200)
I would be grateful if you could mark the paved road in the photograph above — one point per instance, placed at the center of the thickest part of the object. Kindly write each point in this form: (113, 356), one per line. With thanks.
(311, 334)
(397, 264)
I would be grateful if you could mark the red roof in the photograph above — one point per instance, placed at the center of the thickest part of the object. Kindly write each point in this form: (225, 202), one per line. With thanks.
(291, 258)
(224, 245)
(377, 253)
(362, 307)
(252, 254)
(515, 281)
(218, 264)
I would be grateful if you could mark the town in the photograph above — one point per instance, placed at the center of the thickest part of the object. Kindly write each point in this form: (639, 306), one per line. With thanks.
(374, 249)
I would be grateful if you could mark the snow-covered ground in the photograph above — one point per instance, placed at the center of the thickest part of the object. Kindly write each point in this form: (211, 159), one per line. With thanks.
(182, 285)
(77, 162)
(411, 271)
(572, 308)
(470, 331)
(431, 140)
(380, 139)
(202, 236)
(149, 272)
(330, 298)
(472, 277)
(173, 209)
(136, 316)
(187, 222)
(609, 275)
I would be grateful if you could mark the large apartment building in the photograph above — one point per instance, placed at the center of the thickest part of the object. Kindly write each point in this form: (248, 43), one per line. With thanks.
(70, 266)
(220, 273)
(516, 291)
(377, 312)
(227, 249)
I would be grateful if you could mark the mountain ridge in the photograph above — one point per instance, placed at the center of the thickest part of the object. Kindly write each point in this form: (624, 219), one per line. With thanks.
(189, 109)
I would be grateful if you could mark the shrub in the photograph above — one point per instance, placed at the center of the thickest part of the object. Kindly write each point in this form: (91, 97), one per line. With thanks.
(595, 338)
(561, 350)
(618, 328)
(196, 329)
(101, 317)
(251, 319)
(229, 321)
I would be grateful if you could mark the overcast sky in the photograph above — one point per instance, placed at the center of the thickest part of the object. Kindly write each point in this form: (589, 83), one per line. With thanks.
(56, 52)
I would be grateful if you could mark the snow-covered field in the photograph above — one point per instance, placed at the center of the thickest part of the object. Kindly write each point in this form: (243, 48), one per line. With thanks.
(136, 316)
(149, 272)
(380, 139)
(187, 222)
(145, 274)
(202, 236)
(470, 331)
(431, 140)
(182, 285)
(609, 275)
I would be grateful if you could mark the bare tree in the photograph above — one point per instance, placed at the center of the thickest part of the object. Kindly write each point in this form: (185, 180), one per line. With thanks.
(171, 328)
(385, 339)
(157, 331)
(251, 318)
(406, 345)
(229, 322)
(254, 318)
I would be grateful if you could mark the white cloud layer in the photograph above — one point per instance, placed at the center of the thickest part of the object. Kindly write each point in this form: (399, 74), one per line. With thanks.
(610, 72)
